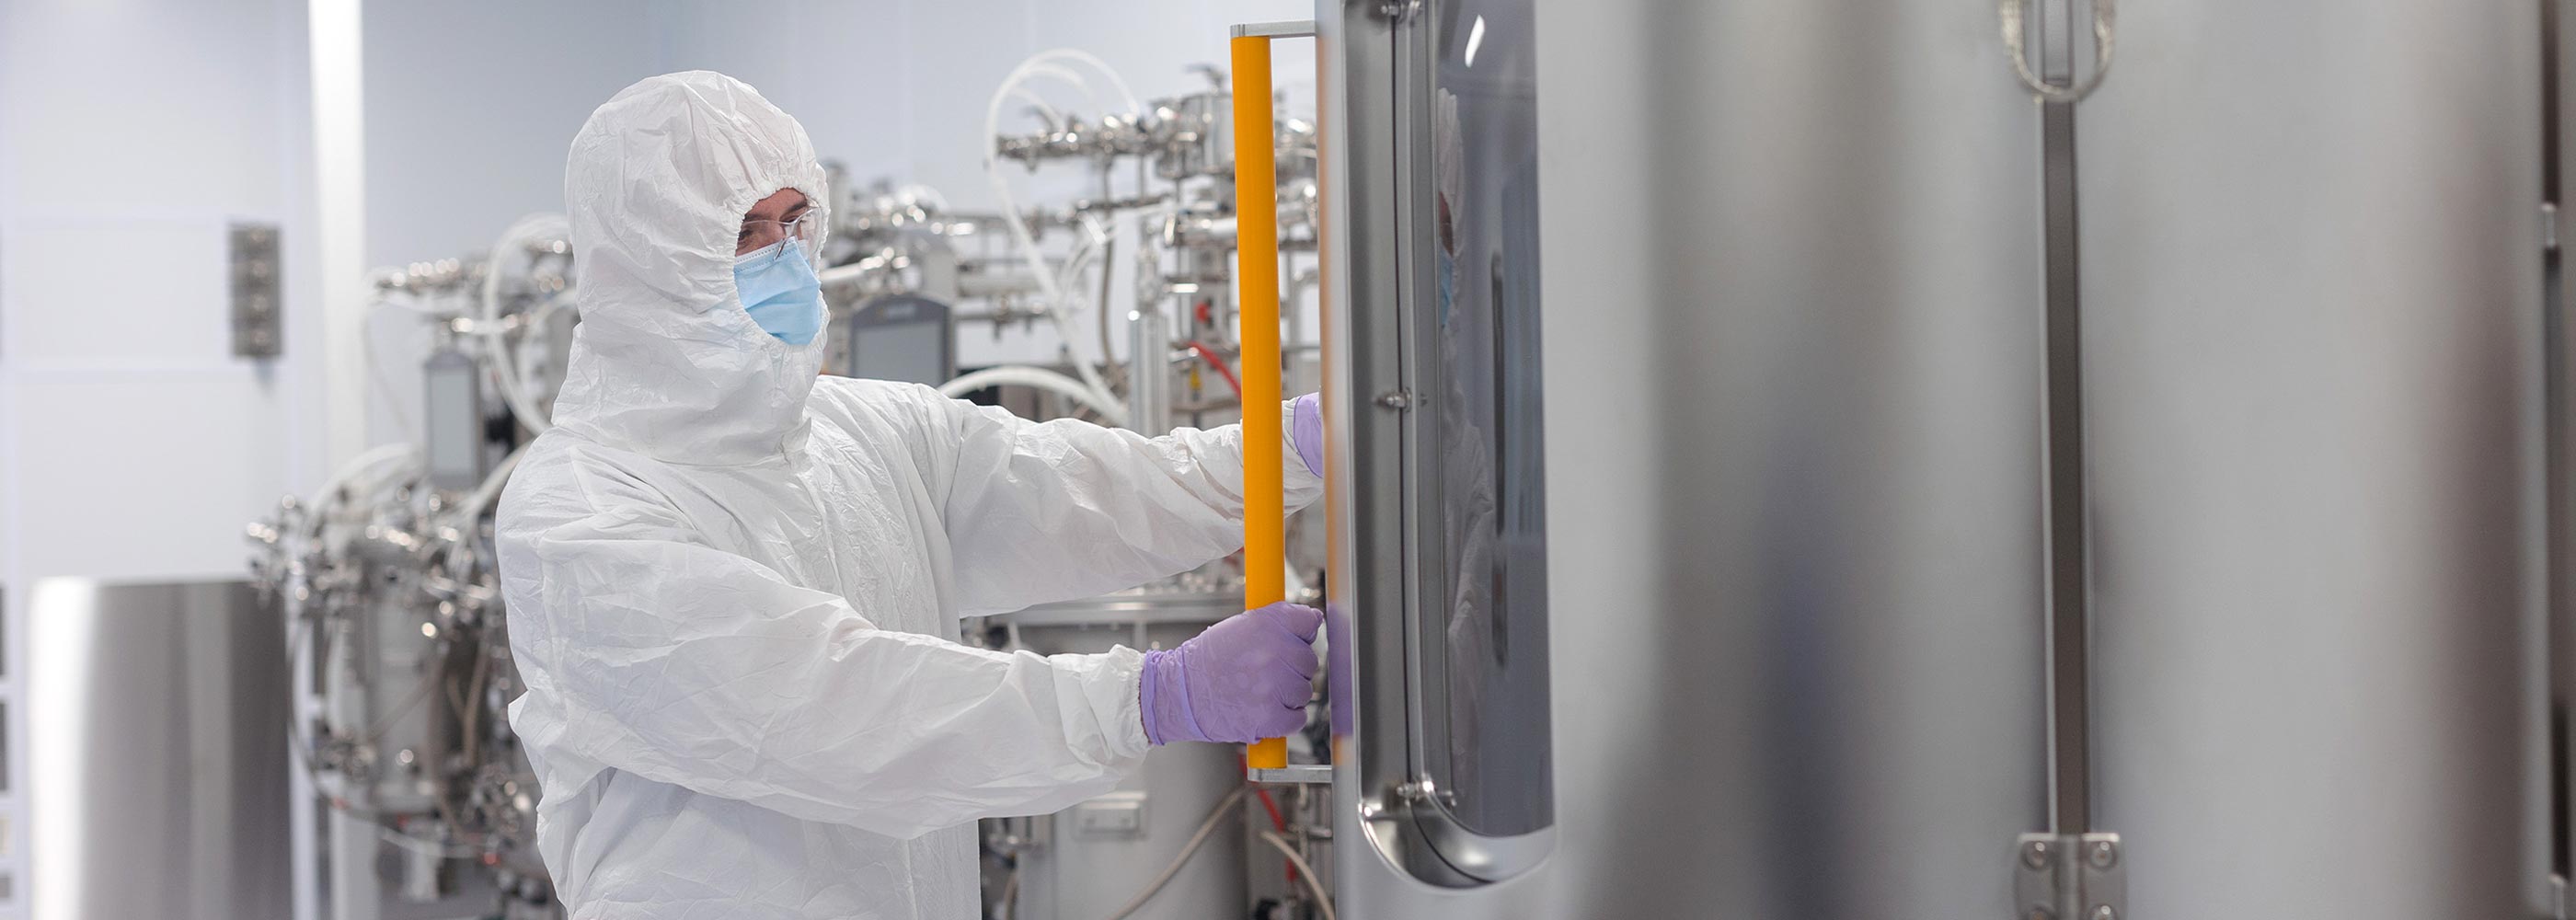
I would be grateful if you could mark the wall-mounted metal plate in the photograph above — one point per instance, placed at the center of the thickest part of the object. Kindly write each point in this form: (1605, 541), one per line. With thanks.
(258, 330)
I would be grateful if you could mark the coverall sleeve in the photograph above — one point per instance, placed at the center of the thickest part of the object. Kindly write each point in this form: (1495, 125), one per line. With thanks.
(688, 665)
(1050, 511)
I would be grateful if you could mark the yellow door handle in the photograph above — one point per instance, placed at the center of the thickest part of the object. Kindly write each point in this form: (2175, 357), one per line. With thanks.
(1256, 203)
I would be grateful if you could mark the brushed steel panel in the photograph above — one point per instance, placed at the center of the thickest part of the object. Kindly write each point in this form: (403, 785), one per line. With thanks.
(2311, 295)
(157, 753)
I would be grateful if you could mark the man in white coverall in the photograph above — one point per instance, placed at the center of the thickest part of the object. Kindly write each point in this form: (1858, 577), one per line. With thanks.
(732, 585)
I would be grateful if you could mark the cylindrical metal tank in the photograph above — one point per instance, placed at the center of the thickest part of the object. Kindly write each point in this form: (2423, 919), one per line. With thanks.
(1090, 860)
(157, 752)
(2311, 296)
(1794, 362)
(1793, 350)
(1791, 336)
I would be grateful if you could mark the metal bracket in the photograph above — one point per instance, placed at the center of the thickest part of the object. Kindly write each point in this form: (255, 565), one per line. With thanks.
(1295, 28)
(1312, 774)
(257, 329)
(2015, 24)
(2070, 877)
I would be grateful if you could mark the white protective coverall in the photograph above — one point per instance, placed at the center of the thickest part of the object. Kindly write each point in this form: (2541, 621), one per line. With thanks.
(733, 586)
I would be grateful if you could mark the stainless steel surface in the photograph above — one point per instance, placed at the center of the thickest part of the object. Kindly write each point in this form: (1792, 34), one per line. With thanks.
(1149, 371)
(158, 752)
(1296, 774)
(2068, 532)
(2052, 79)
(1298, 28)
(258, 327)
(1431, 200)
(1480, 532)
(2069, 875)
(1363, 503)
(1373, 587)
(1794, 522)
(1083, 863)
(2311, 325)
(2558, 451)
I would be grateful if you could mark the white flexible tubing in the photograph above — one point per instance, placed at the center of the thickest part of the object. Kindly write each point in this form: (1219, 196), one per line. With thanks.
(1216, 816)
(922, 193)
(367, 470)
(1048, 285)
(488, 315)
(1037, 378)
(1125, 96)
(1048, 288)
(377, 383)
(364, 463)
(522, 400)
(1306, 873)
(483, 495)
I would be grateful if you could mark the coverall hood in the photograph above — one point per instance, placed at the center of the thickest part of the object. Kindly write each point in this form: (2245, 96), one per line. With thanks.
(665, 362)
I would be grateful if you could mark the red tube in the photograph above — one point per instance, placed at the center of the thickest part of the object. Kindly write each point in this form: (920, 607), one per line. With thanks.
(1213, 360)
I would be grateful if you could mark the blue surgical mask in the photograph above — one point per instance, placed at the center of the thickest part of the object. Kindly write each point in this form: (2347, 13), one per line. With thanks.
(780, 291)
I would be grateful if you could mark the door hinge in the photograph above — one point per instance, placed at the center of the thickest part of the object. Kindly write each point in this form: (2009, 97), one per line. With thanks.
(2070, 877)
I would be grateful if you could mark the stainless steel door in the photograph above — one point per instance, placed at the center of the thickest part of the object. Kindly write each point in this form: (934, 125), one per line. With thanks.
(157, 752)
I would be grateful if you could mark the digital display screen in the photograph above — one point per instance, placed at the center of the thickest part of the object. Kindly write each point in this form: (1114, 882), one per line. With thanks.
(906, 352)
(455, 423)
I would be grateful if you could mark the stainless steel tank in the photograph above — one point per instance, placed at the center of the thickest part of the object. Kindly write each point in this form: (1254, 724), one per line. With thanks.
(1794, 301)
(1090, 860)
(2312, 261)
(1789, 329)
(1799, 273)
(157, 735)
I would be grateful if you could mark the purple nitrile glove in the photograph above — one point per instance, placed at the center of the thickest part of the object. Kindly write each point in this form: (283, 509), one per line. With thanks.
(1244, 679)
(1306, 430)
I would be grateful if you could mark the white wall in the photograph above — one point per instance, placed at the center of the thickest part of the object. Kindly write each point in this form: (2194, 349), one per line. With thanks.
(470, 105)
(132, 445)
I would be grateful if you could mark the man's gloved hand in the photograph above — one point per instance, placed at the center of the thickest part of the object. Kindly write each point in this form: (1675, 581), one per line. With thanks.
(1306, 430)
(1242, 680)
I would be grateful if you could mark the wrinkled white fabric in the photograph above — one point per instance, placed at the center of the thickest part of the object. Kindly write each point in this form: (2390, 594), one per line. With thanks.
(732, 586)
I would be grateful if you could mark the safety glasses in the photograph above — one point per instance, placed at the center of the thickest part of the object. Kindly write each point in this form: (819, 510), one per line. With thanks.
(758, 234)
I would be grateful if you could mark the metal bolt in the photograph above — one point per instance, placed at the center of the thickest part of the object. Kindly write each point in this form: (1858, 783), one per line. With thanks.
(2103, 854)
(2035, 854)
(2104, 912)
(1396, 399)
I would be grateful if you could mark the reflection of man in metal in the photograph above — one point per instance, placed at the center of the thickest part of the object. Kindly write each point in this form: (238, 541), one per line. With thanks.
(1467, 464)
